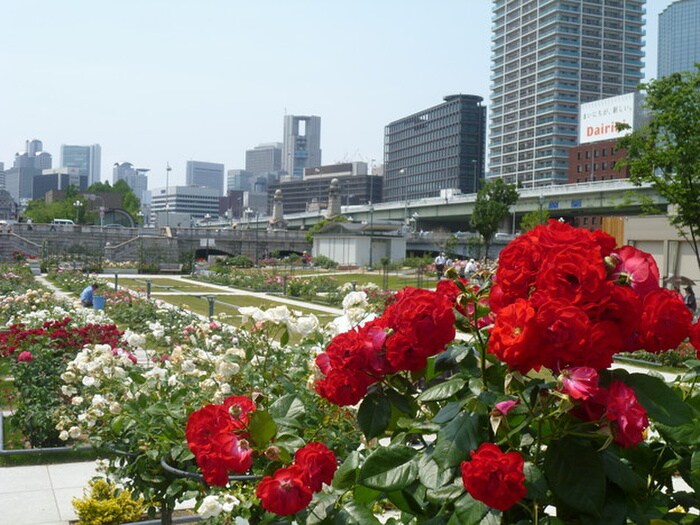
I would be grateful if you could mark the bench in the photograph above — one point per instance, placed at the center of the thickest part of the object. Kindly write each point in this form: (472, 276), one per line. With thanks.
(170, 268)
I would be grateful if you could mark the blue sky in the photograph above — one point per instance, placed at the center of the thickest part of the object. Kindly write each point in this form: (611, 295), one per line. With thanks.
(157, 81)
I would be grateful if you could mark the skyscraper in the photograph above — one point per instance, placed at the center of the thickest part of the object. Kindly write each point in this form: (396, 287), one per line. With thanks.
(86, 158)
(548, 57)
(206, 174)
(302, 144)
(264, 159)
(19, 179)
(136, 178)
(679, 37)
(439, 148)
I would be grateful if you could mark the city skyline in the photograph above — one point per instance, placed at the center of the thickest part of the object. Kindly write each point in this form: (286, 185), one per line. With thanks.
(208, 84)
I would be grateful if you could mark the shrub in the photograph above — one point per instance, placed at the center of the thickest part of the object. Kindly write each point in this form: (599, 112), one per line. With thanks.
(321, 261)
(107, 505)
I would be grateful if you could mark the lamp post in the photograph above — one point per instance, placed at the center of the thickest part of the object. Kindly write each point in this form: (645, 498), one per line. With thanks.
(167, 193)
(77, 204)
(207, 218)
(371, 234)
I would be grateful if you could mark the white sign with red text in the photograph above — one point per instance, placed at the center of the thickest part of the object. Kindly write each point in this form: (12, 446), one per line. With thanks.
(599, 119)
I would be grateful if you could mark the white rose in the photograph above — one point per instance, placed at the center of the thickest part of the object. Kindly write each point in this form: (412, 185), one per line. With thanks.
(88, 381)
(74, 432)
(63, 436)
(210, 507)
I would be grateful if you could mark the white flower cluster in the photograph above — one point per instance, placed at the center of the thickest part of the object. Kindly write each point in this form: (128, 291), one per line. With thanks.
(296, 323)
(355, 312)
(213, 505)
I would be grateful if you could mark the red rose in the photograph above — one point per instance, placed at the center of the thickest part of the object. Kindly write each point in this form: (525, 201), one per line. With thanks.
(514, 337)
(637, 269)
(204, 424)
(604, 341)
(319, 465)
(518, 264)
(695, 337)
(580, 382)
(621, 306)
(424, 317)
(493, 477)
(665, 321)
(285, 492)
(239, 407)
(574, 275)
(405, 353)
(344, 387)
(25, 357)
(359, 349)
(564, 330)
(627, 417)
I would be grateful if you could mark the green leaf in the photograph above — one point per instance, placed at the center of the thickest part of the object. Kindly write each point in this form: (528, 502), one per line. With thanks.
(359, 515)
(364, 495)
(621, 474)
(431, 475)
(262, 427)
(468, 511)
(442, 390)
(374, 414)
(575, 475)
(389, 468)
(660, 401)
(408, 500)
(288, 406)
(346, 474)
(285, 338)
(456, 440)
(448, 412)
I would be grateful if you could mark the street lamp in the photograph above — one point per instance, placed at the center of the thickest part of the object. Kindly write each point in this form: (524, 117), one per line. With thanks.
(102, 216)
(371, 234)
(77, 204)
(207, 218)
(167, 193)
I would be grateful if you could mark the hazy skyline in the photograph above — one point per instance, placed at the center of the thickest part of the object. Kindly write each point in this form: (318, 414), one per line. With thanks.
(158, 81)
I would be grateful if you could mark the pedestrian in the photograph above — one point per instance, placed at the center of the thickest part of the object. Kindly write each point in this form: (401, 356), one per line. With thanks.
(470, 268)
(440, 261)
(689, 299)
(87, 294)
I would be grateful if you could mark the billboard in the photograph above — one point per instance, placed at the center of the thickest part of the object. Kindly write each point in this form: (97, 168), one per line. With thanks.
(597, 119)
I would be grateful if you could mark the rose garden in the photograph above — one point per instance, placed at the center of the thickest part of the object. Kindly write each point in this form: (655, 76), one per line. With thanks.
(488, 402)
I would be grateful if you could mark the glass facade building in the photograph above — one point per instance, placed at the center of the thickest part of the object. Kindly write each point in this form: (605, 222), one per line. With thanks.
(302, 144)
(679, 37)
(205, 174)
(86, 158)
(435, 149)
(549, 56)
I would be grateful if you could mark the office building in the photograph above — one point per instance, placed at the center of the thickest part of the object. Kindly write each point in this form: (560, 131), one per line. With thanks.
(548, 57)
(192, 201)
(679, 38)
(87, 159)
(2, 174)
(310, 194)
(205, 174)
(439, 148)
(19, 179)
(57, 179)
(136, 178)
(264, 159)
(302, 145)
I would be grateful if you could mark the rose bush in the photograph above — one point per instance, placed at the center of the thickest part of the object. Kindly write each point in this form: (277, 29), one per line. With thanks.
(499, 403)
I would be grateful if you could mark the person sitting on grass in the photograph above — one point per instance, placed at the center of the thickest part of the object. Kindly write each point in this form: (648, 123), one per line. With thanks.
(87, 294)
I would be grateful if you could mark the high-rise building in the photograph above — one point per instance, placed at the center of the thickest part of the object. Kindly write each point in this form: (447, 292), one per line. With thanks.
(302, 145)
(136, 178)
(439, 148)
(264, 159)
(679, 37)
(19, 179)
(86, 158)
(205, 174)
(548, 57)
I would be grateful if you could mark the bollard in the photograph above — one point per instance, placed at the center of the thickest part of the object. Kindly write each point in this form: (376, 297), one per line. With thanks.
(211, 300)
(116, 281)
(148, 288)
(354, 285)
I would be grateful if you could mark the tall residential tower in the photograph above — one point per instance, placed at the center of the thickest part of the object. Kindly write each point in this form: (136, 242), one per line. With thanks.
(548, 57)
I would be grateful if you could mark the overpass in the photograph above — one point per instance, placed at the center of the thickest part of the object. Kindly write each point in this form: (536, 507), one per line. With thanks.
(613, 197)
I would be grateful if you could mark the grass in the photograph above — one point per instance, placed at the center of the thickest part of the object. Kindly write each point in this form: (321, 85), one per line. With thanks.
(166, 285)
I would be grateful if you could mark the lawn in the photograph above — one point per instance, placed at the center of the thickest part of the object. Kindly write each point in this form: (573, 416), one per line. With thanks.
(229, 304)
(166, 285)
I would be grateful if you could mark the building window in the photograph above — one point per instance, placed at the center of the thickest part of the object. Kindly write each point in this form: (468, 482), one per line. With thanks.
(588, 154)
(578, 155)
(605, 152)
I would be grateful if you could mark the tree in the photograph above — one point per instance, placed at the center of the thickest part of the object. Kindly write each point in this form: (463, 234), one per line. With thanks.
(534, 218)
(666, 152)
(492, 205)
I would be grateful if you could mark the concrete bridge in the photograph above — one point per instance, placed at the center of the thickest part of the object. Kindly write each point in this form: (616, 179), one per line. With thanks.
(165, 245)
